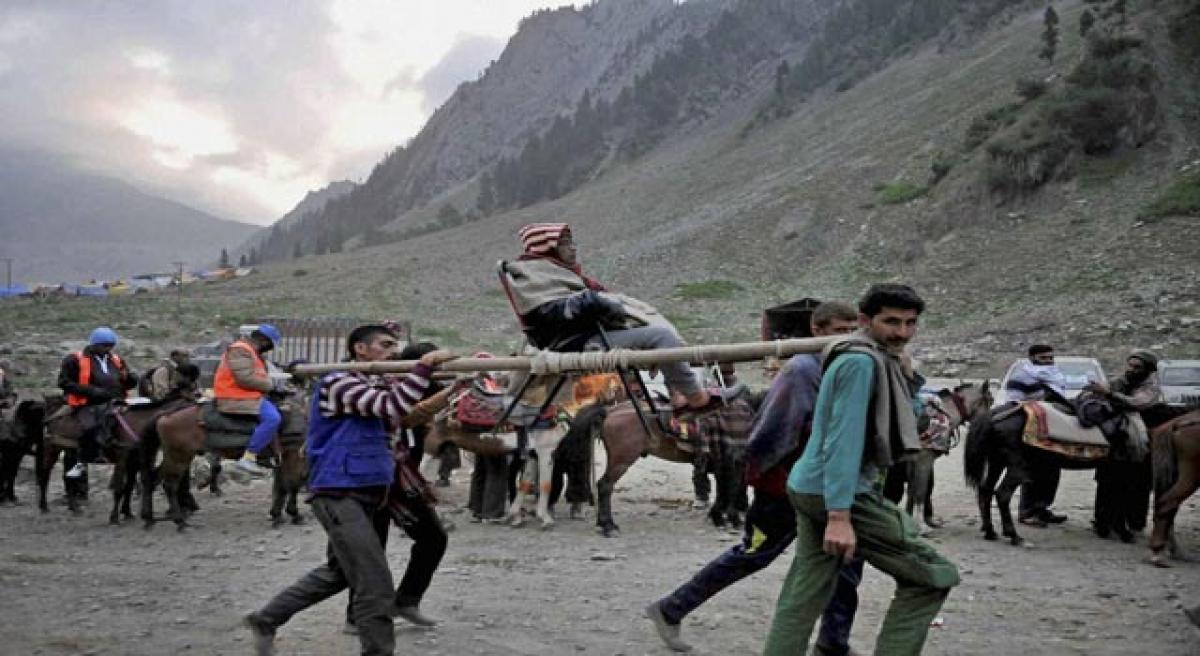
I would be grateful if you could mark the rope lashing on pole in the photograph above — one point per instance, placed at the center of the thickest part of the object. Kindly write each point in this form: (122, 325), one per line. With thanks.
(553, 362)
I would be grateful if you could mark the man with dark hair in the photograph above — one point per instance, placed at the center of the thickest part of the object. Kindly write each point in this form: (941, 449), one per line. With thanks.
(167, 377)
(778, 435)
(1038, 379)
(351, 467)
(864, 419)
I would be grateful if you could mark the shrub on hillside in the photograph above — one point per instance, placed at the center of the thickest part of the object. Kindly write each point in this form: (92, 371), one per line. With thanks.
(895, 193)
(983, 127)
(1030, 88)
(1027, 159)
(1182, 198)
(940, 167)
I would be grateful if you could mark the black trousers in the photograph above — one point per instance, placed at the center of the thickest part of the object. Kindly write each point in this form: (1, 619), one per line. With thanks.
(1038, 494)
(429, 545)
(1122, 496)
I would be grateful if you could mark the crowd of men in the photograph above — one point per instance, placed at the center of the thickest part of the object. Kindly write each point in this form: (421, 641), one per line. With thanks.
(828, 429)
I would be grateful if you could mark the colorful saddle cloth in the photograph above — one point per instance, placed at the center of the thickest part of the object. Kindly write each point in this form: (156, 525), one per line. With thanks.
(1051, 429)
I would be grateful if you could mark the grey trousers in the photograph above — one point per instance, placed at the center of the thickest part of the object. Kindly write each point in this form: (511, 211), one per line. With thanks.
(678, 375)
(356, 559)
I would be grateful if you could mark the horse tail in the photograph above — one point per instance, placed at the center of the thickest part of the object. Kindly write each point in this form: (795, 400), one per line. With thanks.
(150, 442)
(1163, 460)
(575, 447)
(975, 455)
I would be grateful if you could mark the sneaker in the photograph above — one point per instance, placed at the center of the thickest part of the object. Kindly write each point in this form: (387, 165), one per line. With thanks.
(262, 634)
(413, 615)
(250, 467)
(78, 470)
(1051, 517)
(668, 632)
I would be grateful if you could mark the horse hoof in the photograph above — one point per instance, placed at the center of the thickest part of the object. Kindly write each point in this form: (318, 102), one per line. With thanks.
(297, 520)
(546, 526)
(1016, 540)
(935, 522)
(990, 536)
(276, 522)
(114, 521)
(1159, 560)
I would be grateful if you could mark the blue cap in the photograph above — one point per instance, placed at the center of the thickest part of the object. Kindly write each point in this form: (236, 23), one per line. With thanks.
(102, 335)
(270, 332)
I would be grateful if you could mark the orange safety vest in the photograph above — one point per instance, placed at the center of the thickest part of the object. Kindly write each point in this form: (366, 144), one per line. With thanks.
(224, 385)
(85, 375)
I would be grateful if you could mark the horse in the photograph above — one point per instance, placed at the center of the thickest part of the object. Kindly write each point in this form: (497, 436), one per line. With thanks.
(181, 435)
(18, 436)
(625, 440)
(997, 447)
(124, 450)
(1175, 457)
(953, 408)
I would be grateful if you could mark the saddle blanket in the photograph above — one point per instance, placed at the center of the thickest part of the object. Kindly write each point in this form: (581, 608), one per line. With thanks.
(1051, 429)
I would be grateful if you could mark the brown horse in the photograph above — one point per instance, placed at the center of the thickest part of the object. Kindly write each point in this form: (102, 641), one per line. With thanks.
(1175, 454)
(182, 435)
(625, 440)
(126, 422)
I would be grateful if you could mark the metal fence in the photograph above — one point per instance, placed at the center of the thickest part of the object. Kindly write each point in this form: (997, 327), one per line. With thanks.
(318, 339)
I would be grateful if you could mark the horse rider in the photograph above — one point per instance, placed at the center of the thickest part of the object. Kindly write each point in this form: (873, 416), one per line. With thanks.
(351, 468)
(241, 385)
(555, 299)
(92, 379)
(1122, 487)
(160, 382)
(864, 419)
(1039, 379)
(775, 443)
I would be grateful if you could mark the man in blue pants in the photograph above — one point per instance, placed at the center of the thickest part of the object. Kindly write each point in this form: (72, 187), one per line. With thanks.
(241, 385)
(777, 439)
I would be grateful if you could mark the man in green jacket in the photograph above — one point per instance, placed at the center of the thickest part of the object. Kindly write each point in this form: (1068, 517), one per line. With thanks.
(863, 421)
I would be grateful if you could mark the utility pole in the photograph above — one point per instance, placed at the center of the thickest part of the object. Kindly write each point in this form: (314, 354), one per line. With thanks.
(179, 297)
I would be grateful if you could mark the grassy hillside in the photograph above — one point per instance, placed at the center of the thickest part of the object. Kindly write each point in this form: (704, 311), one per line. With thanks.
(715, 227)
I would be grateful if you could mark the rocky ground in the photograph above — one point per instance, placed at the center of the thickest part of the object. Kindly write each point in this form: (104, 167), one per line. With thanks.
(75, 585)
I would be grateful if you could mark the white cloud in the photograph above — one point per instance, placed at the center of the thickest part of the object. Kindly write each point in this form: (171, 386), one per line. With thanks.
(238, 108)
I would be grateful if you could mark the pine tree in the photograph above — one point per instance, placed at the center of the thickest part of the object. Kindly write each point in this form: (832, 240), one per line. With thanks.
(254, 257)
(1049, 35)
(243, 261)
(1086, 20)
(486, 201)
(781, 76)
(297, 251)
(224, 264)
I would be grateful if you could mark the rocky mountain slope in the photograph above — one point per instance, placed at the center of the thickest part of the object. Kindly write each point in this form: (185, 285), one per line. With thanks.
(60, 224)
(722, 220)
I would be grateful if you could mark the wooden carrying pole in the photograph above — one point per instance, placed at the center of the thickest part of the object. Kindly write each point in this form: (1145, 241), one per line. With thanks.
(591, 360)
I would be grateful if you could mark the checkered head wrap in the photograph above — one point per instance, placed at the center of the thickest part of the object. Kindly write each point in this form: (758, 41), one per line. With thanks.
(542, 238)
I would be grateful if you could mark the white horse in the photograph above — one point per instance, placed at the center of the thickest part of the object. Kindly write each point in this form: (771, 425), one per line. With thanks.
(542, 442)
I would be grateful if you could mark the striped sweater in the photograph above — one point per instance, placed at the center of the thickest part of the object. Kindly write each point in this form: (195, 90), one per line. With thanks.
(357, 394)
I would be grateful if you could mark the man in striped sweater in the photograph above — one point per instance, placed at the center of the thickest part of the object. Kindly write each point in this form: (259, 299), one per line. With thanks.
(351, 467)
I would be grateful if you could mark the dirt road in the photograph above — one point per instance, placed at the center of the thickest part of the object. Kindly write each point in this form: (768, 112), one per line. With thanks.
(74, 585)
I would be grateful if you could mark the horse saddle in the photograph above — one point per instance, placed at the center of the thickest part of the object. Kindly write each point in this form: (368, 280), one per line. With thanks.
(232, 431)
(1050, 428)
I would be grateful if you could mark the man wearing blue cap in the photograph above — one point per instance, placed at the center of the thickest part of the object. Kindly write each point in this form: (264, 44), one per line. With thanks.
(92, 379)
(241, 385)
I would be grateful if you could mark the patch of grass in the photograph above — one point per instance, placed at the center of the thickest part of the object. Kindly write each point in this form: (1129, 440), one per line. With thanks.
(686, 322)
(707, 289)
(900, 192)
(1098, 171)
(1181, 198)
(440, 336)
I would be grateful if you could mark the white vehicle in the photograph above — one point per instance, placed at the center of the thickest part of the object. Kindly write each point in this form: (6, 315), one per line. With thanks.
(1077, 370)
(1180, 380)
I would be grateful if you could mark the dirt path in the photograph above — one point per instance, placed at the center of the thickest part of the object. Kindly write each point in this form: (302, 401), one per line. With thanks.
(74, 585)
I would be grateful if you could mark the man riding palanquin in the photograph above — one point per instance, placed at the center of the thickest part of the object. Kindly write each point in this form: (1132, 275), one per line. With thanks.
(91, 380)
(557, 301)
(240, 387)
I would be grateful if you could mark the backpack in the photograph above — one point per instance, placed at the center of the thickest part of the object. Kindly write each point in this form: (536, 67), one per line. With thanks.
(146, 384)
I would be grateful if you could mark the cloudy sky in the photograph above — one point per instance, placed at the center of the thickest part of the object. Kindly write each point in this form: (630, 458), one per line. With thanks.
(237, 107)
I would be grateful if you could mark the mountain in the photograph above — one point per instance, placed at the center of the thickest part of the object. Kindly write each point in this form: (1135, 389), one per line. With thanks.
(65, 225)
(924, 140)
(314, 201)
